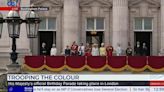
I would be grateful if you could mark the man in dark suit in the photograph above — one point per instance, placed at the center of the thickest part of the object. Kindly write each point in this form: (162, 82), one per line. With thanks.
(43, 49)
(137, 49)
(144, 49)
(129, 50)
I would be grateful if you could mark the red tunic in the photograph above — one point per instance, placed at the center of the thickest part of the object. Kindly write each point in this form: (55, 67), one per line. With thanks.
(109, 51)
(88, 54)
(74, 49)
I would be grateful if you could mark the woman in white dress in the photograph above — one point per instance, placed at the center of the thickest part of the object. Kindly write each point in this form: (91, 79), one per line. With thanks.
(81, 50)
(53, 50)
(119, 50)
(95, 50)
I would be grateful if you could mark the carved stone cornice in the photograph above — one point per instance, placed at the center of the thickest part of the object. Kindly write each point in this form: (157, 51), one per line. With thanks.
(90, 3)
(151, 3)
(47, 3)
(144, 8)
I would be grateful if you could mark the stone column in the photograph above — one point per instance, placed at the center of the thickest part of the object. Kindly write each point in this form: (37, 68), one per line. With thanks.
(120, 23)
(162, 27)
(71, 22)
(23, 49)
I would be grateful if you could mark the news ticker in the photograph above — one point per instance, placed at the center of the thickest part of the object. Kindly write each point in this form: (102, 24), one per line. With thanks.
(85, 83)
(85, 89)
(24, 8)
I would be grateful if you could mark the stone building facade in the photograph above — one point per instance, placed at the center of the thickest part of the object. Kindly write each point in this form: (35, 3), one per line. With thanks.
(109, 21)
(94, 21)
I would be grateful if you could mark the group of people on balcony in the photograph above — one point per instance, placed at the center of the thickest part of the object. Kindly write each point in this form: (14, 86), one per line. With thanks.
(88, 50)
(95, 50)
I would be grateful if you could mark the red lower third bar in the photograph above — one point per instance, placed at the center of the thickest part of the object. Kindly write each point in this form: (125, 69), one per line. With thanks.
(9, 8)
(156, 83)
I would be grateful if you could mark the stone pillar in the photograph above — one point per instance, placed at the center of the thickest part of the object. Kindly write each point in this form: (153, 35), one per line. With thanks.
(23, 43)
(162, 27)
(71, 22)
(120, 23)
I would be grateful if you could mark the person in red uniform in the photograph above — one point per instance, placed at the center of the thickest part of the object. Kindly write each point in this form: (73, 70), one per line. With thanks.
(109, 50)
(74, 49)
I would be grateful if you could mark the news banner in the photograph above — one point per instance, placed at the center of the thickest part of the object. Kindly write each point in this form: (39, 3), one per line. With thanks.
(24, 8)
(85, 83)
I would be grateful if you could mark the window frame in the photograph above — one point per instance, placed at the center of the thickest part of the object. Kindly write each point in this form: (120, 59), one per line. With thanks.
(143, 25)
(47, 22)
(95, 26)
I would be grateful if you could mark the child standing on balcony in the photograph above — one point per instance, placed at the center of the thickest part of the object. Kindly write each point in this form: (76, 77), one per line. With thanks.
(67, 51)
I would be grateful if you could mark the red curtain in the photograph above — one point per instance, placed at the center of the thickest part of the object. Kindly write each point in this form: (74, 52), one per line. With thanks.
(75, 61)
(156, 62)
(96, 61)
(34, 61)
(137, 62)
(55, 61)
(117, 61)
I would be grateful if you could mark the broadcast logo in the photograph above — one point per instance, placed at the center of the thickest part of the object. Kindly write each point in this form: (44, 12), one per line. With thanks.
(12, 2)
(10, 89)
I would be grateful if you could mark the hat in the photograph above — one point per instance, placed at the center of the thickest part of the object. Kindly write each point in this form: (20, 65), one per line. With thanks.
(53, 45)
(102, 44)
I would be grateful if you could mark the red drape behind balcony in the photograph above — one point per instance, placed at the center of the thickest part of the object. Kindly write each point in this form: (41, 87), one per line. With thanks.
(117, 63)
(34, 63)
(55, 63)
(156, 63)
(137, 63)
(75, 63)
(96, 63)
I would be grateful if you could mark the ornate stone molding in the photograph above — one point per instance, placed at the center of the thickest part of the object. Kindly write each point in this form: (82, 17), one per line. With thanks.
(151, 3)
(144, 8)
(95, 6)
(50, 3)
(90, 3)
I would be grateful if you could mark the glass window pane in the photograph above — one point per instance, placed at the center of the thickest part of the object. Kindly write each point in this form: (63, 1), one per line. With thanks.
(42, 24)
(90, 23)
(99, 23)
(51, 23)
(147, 23)
(138, 23)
